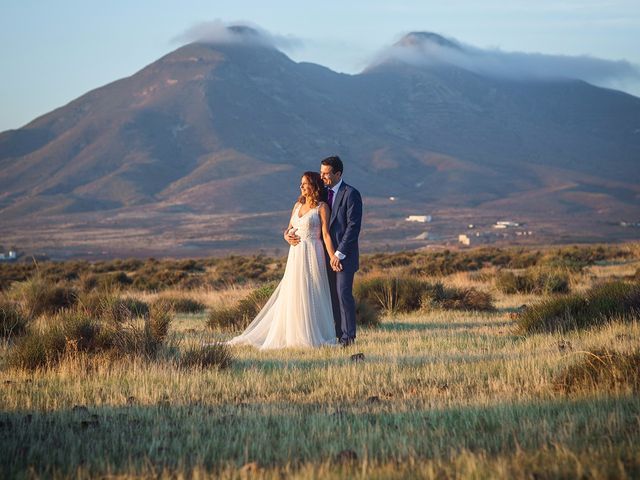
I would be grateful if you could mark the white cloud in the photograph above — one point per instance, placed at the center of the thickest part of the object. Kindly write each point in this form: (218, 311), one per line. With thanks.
(217, 31)
(429, 49)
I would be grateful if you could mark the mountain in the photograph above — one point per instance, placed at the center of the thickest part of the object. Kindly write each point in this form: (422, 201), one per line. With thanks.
(223, 130)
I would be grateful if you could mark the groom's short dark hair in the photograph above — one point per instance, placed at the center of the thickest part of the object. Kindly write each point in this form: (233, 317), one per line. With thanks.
(334, 162)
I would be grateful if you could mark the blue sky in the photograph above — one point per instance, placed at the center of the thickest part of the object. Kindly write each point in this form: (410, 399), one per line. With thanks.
(54, 51)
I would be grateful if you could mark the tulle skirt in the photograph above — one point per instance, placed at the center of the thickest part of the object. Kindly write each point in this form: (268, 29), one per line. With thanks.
(299, 312)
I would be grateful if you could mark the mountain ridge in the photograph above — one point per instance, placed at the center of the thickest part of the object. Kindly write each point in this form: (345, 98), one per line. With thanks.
(224, 128)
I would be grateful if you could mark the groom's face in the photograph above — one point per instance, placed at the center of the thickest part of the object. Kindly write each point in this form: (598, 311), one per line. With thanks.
(328, 177)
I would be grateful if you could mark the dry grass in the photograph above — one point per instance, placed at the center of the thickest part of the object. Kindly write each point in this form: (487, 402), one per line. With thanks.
(217, 355)
(437, 394)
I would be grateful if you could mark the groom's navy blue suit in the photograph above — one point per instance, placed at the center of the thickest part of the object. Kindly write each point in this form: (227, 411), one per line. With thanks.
(344, 228)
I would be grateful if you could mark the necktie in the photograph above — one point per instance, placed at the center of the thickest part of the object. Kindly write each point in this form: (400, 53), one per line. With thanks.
(330, 197)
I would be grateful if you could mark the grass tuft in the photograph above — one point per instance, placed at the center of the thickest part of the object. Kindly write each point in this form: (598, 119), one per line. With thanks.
(239, 316)
(406, 294)
(225, 318)
(107, 305)
(217, 355)
(533, 280)
(73, 331)
(38, 349)
(12, 322)
(366, 314)
(183, 304)
(602, 370)
(37, 296)
(391, 294)
(160, 316)
(448, 298)
(600, 305)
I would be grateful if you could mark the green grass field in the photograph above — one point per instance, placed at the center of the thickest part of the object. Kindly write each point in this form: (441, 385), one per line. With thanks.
(438, 394)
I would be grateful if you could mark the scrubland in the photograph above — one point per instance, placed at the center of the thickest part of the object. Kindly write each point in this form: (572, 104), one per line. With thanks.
(487, 363)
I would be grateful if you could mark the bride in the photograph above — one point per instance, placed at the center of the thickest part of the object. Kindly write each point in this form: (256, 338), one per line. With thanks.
(299, 312)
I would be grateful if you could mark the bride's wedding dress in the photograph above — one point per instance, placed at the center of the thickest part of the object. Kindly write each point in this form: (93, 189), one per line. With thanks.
(299, 312)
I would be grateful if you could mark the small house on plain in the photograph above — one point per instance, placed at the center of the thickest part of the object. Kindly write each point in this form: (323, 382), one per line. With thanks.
(12, 255)
(464, 239)
(506, 224)
(419, 218)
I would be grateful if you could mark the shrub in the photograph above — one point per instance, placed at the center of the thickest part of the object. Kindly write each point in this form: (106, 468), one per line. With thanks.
(37, 296)
(602, 370)
(160, 315)
(576, 258)
(614, 299)
(366, 314)
(14, 272)
(510, 283)
(12, 321)
(552, 281)
(142, 339)
(106, 305)
(137, 307)
(130, 338)
(226, 318)
(405, 294)
(88, 282)
(80, 331)
(217, 355)
(253, 303)
(240, 269)
(184, 304)
(38, 349)
(481, 276)
(241, 314)
(76, 330)
(105, 281)
(392, 294)
(155, 276)
(598, 306)
(450, 298)
(69, 331)
(535, 280)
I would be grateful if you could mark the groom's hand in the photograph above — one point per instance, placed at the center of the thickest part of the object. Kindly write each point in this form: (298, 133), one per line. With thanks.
(336, 265)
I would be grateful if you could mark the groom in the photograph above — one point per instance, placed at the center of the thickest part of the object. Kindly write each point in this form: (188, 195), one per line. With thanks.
(344, 227)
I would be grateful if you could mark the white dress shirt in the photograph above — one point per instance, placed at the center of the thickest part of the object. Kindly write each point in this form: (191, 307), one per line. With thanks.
(335, 189)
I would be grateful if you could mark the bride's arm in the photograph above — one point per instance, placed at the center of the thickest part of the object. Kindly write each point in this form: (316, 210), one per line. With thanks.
(286, 230)
(325, 214)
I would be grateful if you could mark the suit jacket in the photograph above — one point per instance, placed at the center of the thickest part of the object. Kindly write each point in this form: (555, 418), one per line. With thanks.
(344, 225)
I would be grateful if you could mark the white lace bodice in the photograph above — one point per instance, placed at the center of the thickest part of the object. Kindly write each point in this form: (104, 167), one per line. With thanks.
(308, 225)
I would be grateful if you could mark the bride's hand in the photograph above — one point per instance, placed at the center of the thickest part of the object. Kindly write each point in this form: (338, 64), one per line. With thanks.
(291, 238)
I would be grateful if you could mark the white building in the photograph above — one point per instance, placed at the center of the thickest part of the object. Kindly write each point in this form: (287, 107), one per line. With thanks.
(506, 224)
(418, 218)
(464, 239)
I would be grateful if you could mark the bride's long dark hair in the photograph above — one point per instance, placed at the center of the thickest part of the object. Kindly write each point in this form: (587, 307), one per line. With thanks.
(317, 187)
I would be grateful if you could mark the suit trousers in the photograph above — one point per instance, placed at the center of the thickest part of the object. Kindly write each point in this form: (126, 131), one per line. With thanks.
(344, 305)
